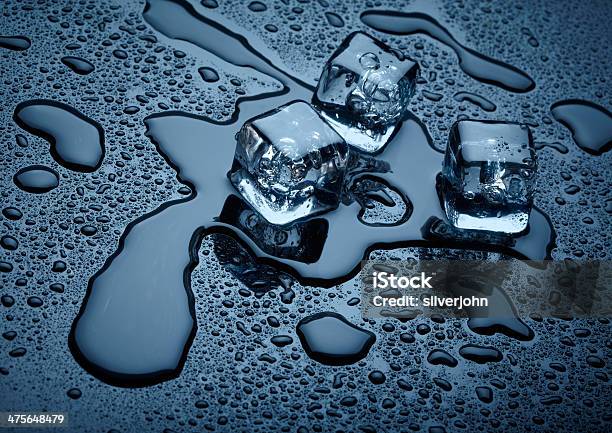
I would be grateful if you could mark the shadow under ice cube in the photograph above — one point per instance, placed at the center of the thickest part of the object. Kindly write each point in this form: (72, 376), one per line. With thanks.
(289, 164)
(488, 176)
(364, 90)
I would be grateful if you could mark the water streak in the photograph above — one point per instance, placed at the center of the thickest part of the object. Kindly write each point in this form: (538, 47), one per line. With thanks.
(474, 64)
(479, 101)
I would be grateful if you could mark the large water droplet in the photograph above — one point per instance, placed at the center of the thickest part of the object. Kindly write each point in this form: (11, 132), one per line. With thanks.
(590, 124)
(36, 179)
(15, 43)
(334, 20)
(78, 65)
(331, 339)
(77, 142)
(480, 354)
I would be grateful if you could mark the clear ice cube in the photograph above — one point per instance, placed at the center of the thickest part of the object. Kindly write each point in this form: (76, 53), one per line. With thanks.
(488, 176)
(289, 164)
(364, 90)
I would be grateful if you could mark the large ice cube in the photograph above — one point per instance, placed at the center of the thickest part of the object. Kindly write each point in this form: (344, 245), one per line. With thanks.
(364, 90)
(289, 163)
(488, 176)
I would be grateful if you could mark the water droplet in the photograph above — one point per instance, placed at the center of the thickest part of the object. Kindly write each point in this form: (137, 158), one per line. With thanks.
(18, 352)
(334, 20)
(36, 179)
(78, 65)
(209, 74)
(15, 43)
(74, 393)
(35, 302)
(12, 213)
(377, 377)
(480, 354)
(479, 101)
(484, 394)
(256, 6)
(210, 4)
(281, 340)
(7, 301)
(9, 243)
(441, 357)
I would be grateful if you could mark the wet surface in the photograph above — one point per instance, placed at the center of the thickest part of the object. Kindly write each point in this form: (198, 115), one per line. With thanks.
(130, 227)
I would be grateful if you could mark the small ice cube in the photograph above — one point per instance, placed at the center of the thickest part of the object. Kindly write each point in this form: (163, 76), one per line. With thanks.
(289, 164)
(364, 90)
(488, 176)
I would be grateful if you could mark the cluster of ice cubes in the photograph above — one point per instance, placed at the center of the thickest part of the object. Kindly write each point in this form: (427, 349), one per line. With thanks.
(290, 163)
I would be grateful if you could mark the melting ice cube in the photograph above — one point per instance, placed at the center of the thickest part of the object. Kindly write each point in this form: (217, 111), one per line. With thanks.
(488, 176)
(364, 90)
(289, 163)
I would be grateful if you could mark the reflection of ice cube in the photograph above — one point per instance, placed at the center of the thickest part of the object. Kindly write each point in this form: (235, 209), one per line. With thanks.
(364, 90)
(289, 163)
(488, 176)
(302, 241)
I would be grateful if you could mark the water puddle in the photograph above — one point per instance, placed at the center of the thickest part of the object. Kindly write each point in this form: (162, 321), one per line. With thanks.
(476, 65)
(146, 283)
(77, 142)
(589, 123)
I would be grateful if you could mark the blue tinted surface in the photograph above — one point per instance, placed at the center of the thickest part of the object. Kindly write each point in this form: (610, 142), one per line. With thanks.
(192, 322)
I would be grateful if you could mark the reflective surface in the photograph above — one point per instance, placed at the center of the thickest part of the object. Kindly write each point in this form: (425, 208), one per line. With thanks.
(191, 320)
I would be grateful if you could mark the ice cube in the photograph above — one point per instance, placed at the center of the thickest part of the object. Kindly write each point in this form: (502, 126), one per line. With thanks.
(364, 90)
(488, 176)
(289, 164)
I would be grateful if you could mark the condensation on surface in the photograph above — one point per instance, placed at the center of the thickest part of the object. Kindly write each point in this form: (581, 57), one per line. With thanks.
(246, 368)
